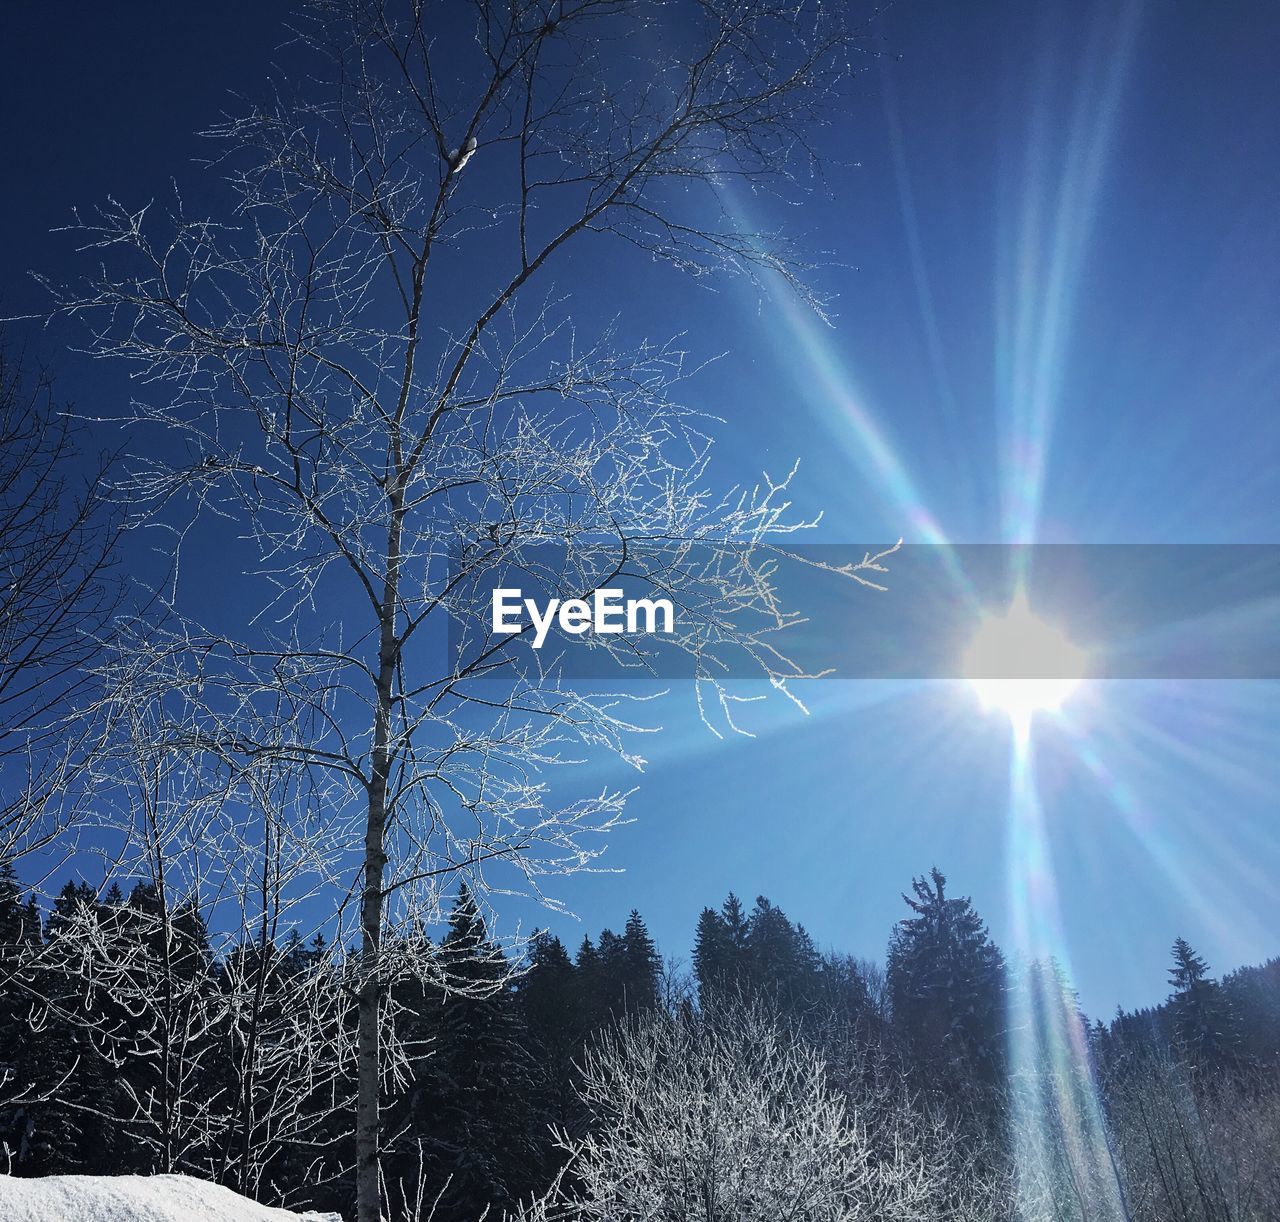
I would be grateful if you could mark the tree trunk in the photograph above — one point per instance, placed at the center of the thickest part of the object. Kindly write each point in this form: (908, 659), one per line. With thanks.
(368, 1052)
(368, 1035)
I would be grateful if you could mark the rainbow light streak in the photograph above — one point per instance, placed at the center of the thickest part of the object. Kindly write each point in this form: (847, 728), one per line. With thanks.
(1147, 830)
(1038, 285)
(842, 406)
(1059, 1127)
(1057, 1112)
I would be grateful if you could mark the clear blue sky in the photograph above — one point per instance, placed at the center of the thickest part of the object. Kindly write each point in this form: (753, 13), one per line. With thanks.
(1056, 248)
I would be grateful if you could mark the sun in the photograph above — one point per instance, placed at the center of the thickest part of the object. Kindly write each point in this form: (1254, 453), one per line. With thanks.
(1021, 665)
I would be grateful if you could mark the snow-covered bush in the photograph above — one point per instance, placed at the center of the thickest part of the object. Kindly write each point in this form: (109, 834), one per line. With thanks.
(726, 1116)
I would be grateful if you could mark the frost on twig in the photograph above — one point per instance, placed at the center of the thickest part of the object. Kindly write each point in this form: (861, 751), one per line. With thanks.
(363, 376)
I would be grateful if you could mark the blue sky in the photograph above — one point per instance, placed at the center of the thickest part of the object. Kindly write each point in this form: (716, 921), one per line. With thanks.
(1056, 260)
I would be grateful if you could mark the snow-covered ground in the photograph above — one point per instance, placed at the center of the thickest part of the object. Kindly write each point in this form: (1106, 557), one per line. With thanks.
(134, 1198)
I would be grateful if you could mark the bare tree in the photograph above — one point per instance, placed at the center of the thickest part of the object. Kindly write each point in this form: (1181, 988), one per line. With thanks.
(56, 598)
(362, 384)
(227, 1035)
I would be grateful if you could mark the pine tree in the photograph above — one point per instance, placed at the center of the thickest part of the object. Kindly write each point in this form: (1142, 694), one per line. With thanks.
(52, 1061)
(1189, 970)
(720, 952)
(472, 1101)
(782, 962)
(610, 979)
(74, 902)
(551, 1006)
(641, 967)
(591, 987)
(1253, 995)
(1202, 1019)
(294, 958)
(711, 958)
(736, 922)
(946, 988)
(18, 936)
(19, 919)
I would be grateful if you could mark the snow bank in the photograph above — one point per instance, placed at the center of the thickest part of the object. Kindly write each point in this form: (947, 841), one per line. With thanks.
(134, 1198)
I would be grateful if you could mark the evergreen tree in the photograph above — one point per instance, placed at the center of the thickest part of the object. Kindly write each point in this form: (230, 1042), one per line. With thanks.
(618, 974)
(551, 1006)
(317, 952)
(18, 937)
(19, 918)
(591, 987)
(782, 962)
(641, 967)
(75, 902)
(1189, 970)
(711, 957)
(736, 924)
(491, 1066)
(720, 953)
(472, 1101)
(1202, 1019)
(610, 979)
(68, 1087)
(1253, 995)
(946, 989)
(294, 957)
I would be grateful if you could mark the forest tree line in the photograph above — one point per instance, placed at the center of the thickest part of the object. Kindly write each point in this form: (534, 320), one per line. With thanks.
(130, 1044)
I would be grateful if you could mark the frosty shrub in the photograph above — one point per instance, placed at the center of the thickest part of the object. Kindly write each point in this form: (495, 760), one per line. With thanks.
(726, 1116)
(1194, 1149)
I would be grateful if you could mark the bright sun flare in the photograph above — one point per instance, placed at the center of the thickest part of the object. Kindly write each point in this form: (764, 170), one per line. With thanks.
(1019, 664)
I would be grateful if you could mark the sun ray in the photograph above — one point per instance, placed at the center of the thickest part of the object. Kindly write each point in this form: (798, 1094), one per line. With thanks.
(1044, 254)
(843, 408)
